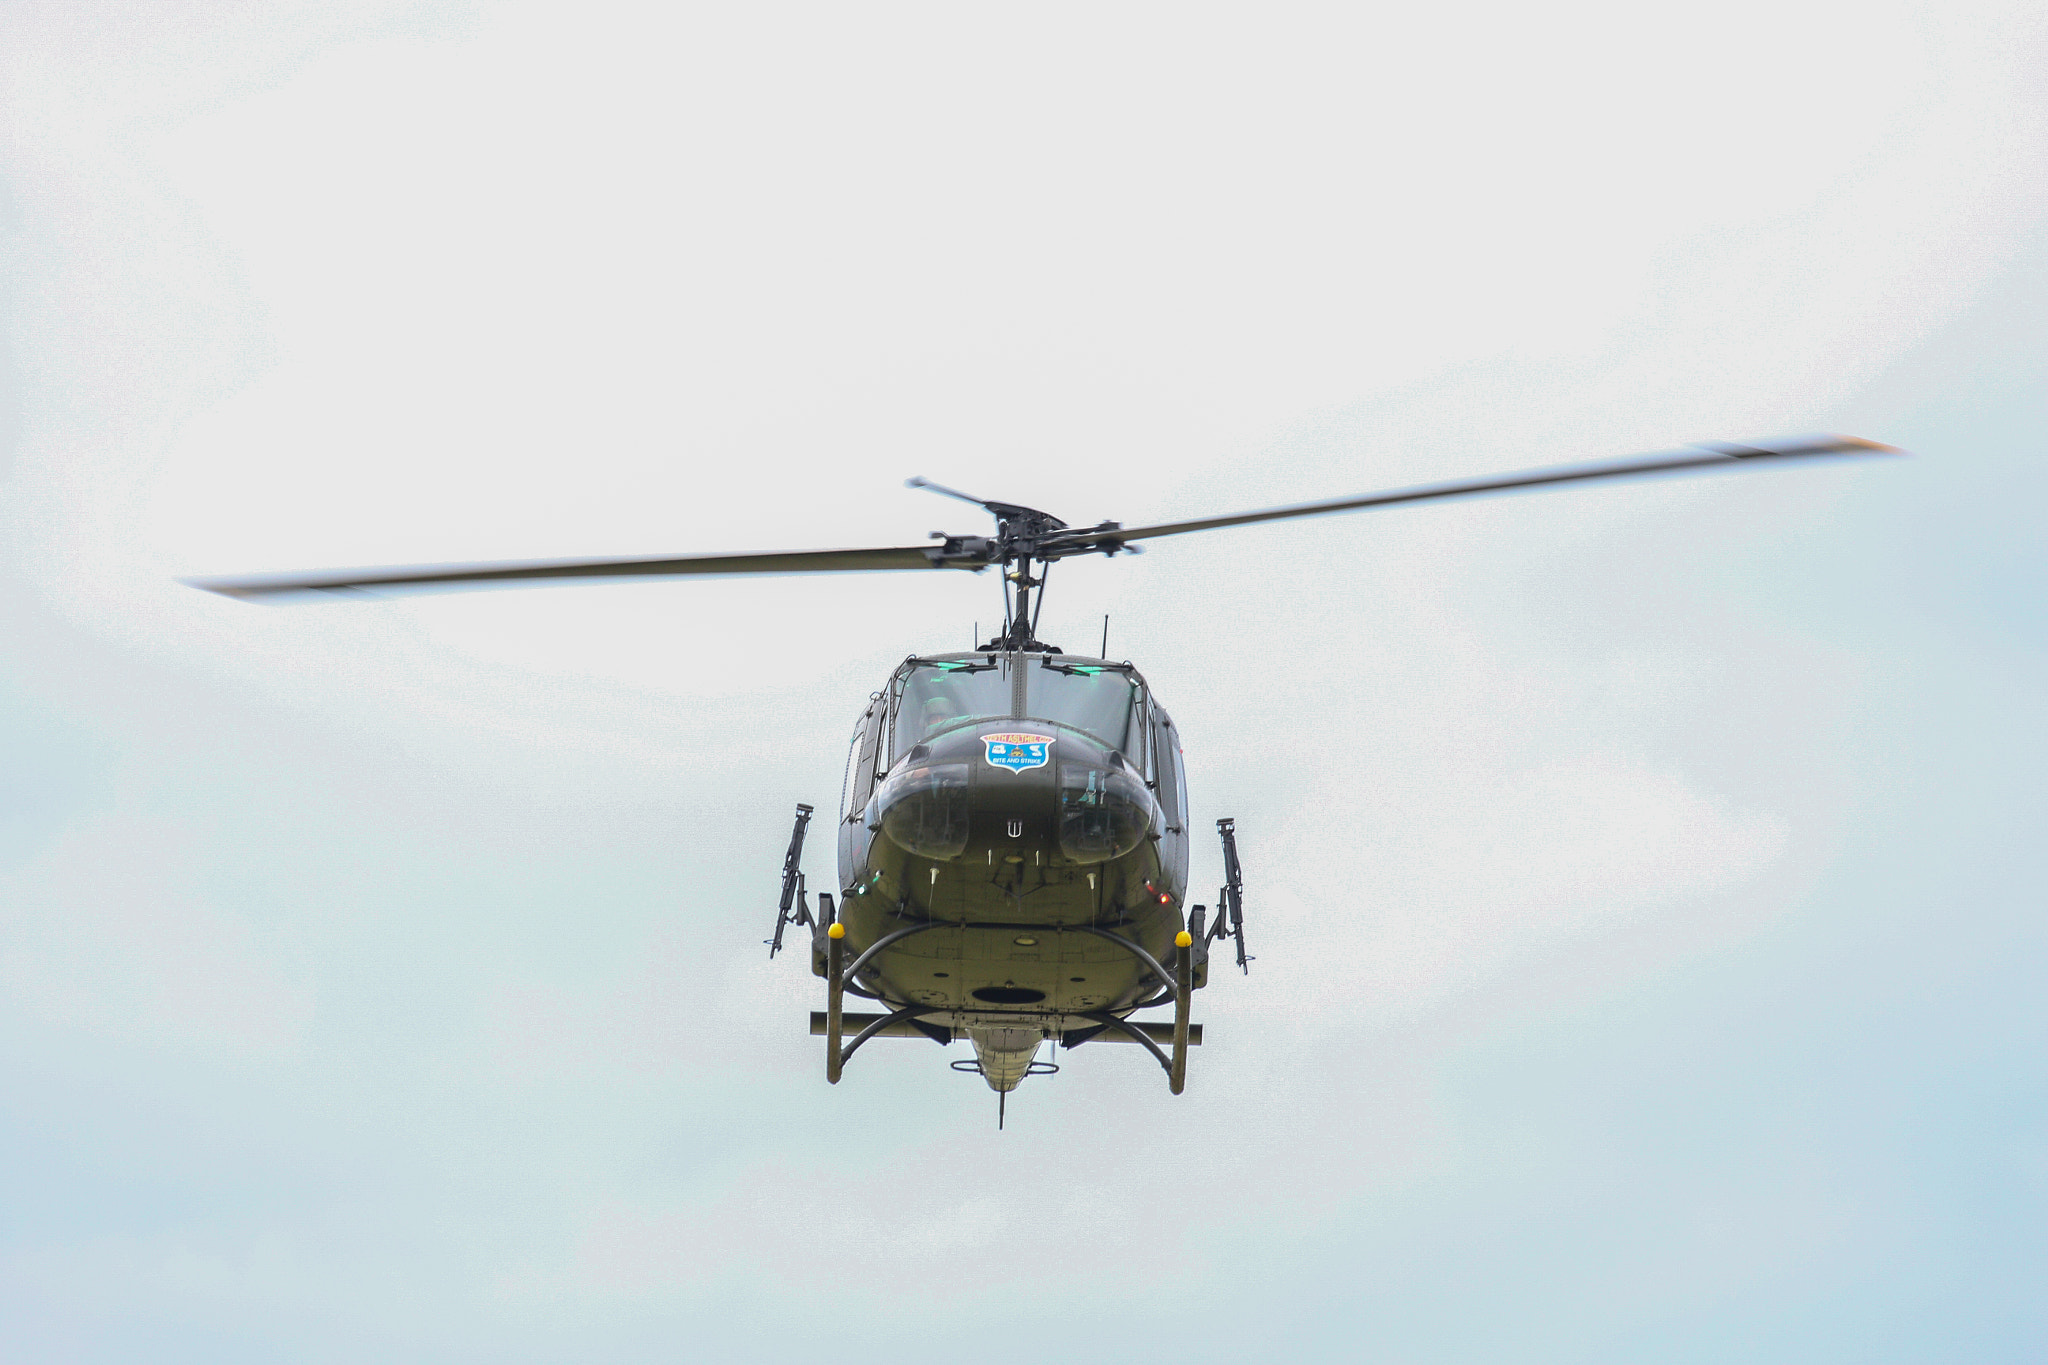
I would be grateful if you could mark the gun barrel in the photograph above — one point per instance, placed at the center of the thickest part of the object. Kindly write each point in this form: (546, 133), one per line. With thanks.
(792, 881)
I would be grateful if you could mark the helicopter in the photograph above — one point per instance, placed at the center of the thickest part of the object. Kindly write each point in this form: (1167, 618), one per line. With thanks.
(1014, 831)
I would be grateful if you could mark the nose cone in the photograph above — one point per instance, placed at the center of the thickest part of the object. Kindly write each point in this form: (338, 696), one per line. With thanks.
(1023, 790)
(1015, 766)
(986, 786)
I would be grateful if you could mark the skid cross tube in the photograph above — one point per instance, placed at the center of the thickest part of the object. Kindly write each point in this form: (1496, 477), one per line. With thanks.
(1183, 991)
(893, 936)
(1165, 977)
(1109, 1020)
(839, 977)
(1069, 1038)
(835, 996)
(908, 1012)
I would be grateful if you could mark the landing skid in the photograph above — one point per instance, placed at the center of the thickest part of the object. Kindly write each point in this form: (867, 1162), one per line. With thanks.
(943, 1024)
(1168, 1044)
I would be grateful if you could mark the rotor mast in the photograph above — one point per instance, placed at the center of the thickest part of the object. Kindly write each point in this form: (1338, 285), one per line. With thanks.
(1026, 537)
(1021, 620)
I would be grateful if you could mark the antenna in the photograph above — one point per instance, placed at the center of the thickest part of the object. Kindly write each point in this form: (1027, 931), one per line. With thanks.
(1105, 637)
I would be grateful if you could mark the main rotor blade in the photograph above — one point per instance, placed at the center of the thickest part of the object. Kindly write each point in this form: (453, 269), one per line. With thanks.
(1702, 457)
(436, 577)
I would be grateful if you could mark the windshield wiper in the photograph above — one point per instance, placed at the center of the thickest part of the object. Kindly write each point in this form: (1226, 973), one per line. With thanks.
(1085, 670)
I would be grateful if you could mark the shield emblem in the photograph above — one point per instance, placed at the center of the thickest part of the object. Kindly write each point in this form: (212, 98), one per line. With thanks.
(1018, 753)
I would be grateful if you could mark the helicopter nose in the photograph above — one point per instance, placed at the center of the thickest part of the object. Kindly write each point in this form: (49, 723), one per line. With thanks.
(1017, 793)
(1014, 769)
(1063, 799)
(988, 788)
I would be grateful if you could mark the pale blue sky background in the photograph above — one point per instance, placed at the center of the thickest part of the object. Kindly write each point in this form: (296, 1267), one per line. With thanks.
(1645, 881)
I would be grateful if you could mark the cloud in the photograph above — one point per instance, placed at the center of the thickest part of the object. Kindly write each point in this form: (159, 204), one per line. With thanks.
(465, 897)
(108, 933)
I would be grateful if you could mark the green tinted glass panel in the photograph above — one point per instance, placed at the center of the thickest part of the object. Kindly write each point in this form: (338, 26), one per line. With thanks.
(939, 696)
(1098, 702)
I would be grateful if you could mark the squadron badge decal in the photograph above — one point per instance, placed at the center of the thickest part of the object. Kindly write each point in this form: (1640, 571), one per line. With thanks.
(1017, 752)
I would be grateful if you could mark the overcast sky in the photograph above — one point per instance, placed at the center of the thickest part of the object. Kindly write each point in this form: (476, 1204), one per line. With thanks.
(1646, 882)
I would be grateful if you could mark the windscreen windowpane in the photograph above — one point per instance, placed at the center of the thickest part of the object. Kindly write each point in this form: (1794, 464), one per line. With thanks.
(940, 696)
(1105, 703)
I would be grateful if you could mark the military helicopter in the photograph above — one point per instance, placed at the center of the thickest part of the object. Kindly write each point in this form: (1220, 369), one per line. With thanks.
(1013, 836)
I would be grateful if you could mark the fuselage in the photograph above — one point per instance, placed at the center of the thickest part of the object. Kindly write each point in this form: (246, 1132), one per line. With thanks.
(1006, 804)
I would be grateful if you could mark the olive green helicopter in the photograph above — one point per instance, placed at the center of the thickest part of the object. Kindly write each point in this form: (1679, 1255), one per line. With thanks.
(1013, 838)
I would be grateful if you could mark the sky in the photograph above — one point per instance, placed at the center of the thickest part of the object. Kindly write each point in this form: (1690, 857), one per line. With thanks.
(1649, 934)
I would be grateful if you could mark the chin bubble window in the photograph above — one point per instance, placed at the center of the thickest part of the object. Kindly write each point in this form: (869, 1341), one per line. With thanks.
(1104, 812)
(924, 809)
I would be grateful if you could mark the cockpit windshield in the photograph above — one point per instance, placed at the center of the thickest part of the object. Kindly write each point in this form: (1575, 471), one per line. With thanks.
(1103, 702)
(1098, 701)
(937, 696)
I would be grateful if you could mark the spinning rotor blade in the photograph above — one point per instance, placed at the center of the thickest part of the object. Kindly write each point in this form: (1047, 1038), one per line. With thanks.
(433, 577)
(1703, 457)
(1024, 531)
